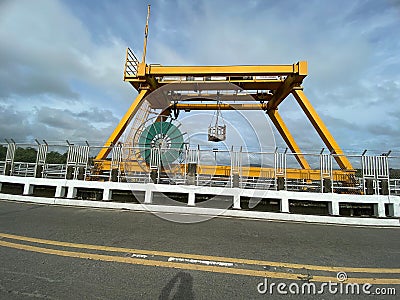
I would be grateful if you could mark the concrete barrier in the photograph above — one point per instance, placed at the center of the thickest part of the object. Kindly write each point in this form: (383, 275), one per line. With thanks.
(386, 208)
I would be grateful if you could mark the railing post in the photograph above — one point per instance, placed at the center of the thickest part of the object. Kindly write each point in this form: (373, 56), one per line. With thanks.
(236, 201)
(28, 189)
(72, 191)
(116, 160)
(155, 164)
(40, 159)
(107, 194)
(60, 191)
(236, 167)
(334, 208)
(379, 210)
(191, 166)
(77, 161)
(396, 210)
(9, 163)
(284, 204)
(192, 199)
(382, 174)
(148, 196)
(325, 172)
(368, 163)
(280, 170)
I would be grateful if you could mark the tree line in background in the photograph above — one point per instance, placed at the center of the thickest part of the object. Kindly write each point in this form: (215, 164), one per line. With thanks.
(29, 155)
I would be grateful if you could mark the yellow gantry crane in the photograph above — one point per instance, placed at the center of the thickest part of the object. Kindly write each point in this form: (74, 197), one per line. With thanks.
(279, 80)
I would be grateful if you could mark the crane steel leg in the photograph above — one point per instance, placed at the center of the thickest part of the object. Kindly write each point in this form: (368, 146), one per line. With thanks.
(286, 135)
(122, 125)
(322, 130)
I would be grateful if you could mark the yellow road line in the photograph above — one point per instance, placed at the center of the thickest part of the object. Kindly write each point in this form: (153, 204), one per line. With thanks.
(205, 257)
(214, 269)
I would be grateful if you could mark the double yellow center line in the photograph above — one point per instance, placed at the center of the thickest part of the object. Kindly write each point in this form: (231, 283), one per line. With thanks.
(215, 264)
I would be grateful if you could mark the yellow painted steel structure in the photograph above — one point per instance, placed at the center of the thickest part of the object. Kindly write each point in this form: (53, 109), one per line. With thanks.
(278, 80)
(225, 171)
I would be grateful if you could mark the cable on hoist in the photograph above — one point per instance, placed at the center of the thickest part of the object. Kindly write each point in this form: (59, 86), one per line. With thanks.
(217, 132)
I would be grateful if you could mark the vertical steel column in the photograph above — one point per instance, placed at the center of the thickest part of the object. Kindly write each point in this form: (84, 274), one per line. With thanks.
(10, 155)
(85, 160)
(116, 159)
(77, 162)
(236, 168)
(155, 164)
(382, 174)
(325, 163)
(41, 160)
(191, 166)
(368, 164)
(280, 170)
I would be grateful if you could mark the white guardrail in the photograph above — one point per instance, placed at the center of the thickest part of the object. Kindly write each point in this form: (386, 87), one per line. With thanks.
(386, 209)
(373, 184)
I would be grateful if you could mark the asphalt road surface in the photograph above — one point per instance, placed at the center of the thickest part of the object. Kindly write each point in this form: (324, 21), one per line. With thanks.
(56, 252)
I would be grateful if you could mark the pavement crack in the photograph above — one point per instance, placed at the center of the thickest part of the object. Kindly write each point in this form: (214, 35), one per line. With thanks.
(34, 294)
(20, 210)
(30, 275)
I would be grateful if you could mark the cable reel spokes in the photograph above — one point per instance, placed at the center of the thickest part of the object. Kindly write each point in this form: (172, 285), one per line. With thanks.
(166, 138)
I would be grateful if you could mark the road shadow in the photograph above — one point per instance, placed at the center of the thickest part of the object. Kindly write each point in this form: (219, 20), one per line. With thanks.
(179, 287)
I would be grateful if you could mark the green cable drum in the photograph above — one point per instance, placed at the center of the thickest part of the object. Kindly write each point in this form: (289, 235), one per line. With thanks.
(165, 136)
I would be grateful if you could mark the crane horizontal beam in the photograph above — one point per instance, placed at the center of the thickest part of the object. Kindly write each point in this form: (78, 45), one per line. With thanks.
(242, 84)
(260, 70)
(223, 106)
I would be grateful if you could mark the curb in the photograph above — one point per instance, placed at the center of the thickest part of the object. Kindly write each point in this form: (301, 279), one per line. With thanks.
(254, 215)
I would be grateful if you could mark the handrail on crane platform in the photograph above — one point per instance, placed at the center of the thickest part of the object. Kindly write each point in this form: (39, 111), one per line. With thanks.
(131, 64)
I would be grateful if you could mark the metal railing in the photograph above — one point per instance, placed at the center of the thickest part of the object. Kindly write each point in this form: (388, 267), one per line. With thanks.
(395, 187)
(233, 168)
(24, 169)
(54, 171)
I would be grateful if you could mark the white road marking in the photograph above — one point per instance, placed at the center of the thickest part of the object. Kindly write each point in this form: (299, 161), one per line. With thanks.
(139, 255)
(203, 262)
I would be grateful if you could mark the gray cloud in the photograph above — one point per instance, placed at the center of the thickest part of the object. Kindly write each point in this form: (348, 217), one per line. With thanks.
(61, 62)
(49, 51)
(14, 124)
(57, 118)
(386, 130)
(56, 124)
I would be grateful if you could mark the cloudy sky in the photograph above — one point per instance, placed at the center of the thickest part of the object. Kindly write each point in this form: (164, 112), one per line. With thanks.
(61, 62)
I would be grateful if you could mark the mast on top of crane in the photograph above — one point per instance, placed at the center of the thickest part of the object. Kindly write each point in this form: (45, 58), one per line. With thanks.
(146, 33)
